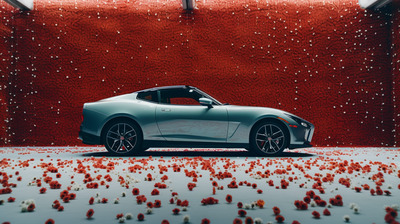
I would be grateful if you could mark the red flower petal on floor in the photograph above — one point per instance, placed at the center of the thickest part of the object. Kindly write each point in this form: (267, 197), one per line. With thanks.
(42, 190)
(240, 205)
(279, 219)
(248, 220)
(242, 213)
(60, 209)
(120, 215)
(176, 211)
(31, 207)
(276, 210)
(326, 212)
(237, 221)
(228, 198)
(89, 213)
(155, 192)
(135, 191)
(157, 203)
(165, 221)
(49, 221)
(91, 201)
(316, 214)
(214, 184)
(140, 217)
(205, 221)
(260, 203)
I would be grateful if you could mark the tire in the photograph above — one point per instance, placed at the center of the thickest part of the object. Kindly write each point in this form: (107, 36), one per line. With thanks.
(269, 138)
(123, 137)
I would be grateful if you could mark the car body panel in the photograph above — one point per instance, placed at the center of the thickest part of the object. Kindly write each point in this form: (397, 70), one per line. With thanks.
(167, 123)
(192, 123)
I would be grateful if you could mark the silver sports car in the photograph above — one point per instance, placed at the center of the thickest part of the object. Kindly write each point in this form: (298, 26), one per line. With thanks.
(185, 116)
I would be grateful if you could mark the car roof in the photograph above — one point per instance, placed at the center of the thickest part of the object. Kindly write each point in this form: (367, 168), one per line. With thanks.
(167, 87)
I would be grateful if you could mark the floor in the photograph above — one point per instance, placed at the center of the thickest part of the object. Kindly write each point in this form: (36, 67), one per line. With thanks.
(193, 186)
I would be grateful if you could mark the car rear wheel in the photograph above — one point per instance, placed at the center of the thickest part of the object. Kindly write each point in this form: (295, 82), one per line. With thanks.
(269, 138)
(122, 137)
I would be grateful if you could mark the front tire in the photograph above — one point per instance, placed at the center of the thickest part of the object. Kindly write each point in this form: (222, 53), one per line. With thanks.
(269, 138)
(122, 137)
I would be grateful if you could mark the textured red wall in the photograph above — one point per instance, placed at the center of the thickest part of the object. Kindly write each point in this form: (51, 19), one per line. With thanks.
(327, 62)
(6, 66)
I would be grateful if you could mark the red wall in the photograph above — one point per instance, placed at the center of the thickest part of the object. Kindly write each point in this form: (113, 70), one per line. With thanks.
(327, 62)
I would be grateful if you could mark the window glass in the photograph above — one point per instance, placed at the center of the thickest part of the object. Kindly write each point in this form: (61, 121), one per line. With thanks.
(180, 96)
(148, 96)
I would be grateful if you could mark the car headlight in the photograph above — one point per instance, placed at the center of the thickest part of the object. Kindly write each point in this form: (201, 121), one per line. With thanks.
(299, 121)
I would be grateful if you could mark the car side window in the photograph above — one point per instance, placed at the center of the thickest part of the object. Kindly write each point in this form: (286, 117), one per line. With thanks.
(179, 97)
(148, 96)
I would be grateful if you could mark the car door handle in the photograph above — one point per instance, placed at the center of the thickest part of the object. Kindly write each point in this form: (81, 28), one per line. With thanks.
(166, 110)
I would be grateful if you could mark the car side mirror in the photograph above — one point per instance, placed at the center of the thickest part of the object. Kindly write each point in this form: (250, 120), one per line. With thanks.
(206, 102)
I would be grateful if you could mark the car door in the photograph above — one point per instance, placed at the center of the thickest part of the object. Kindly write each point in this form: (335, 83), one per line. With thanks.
(186, 120)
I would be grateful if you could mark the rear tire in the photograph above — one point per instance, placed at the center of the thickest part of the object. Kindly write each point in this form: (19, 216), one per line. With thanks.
(122, 137)
(269, 138)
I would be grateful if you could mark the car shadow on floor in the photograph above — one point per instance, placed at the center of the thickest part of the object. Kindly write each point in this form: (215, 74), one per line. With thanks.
(199, 153)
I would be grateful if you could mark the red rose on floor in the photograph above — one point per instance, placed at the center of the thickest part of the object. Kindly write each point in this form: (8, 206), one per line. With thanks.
(295, 222)
(372, 191)
(49, 221)
(237, 221)
(164, 221)
(31, 207)
(120, 215)
(205, 221)
(11, 199)
(214, 184)
(157, 203)
(140, 217)
(19, 178)
(307, 199)
(60, 209)
(135, 191)
(279, 219)
(242, 213)
(259, 191)
(260, 203)
(150, 204)
(171, 201)
(254, 186)
(240, 205)
(42, 190)
(155, 192)
(326, 212)
(358, 189)
(311, 194)
(248, 220)
(228, 198)
(91, 201)
(66, 199)
(104, 200)
(316, 214)
(176, 211)
(89, 213)
(276, 210)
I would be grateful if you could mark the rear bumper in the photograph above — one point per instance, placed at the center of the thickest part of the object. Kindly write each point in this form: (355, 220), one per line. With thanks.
(88, 138)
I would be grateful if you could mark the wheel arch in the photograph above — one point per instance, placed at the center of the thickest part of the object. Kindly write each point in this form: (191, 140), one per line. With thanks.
(272, 119)
(115, 119)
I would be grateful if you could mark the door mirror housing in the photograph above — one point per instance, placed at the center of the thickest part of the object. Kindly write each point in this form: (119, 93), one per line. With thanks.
(206, 102)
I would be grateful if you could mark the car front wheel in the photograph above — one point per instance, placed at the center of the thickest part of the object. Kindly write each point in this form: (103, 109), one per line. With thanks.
(122, 137)
(269, 138)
